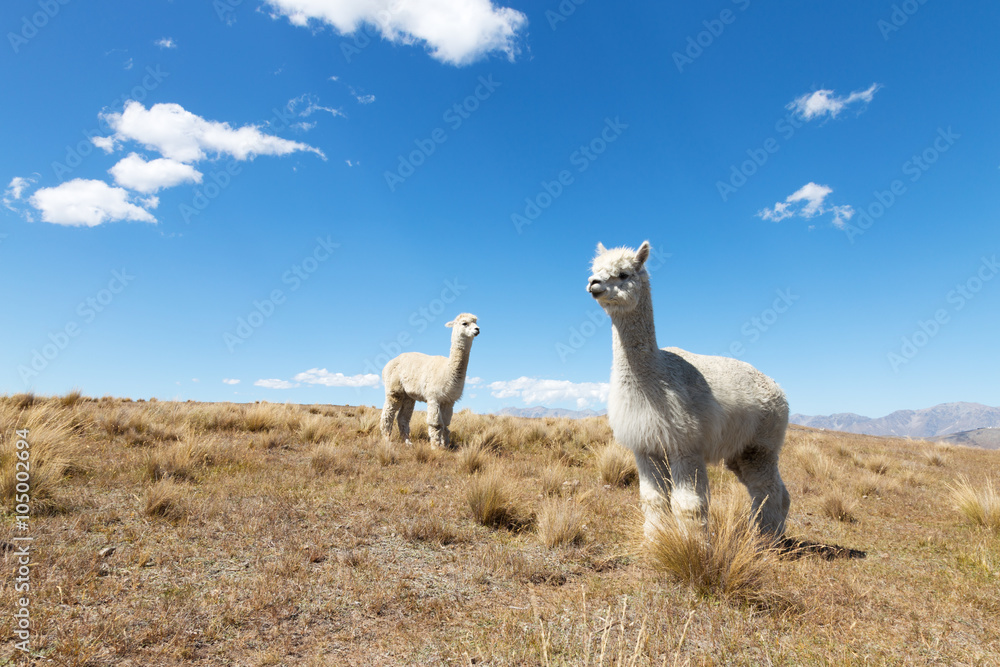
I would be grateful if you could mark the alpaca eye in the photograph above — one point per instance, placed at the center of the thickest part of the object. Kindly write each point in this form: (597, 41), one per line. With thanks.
(622, 276)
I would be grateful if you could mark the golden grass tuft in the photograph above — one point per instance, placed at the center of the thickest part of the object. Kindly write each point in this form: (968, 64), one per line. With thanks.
(495, 502)
(317, 429)
(552, 480)
(386, 453)
(167, 499)
(980, 506)
(838, 508)
(879, 464)
(473, 457)
(560, 522)
(616, 465)
(53, 452)
(732, 561)
(327, 458)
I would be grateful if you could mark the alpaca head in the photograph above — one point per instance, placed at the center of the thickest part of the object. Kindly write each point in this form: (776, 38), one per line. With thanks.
(619, 278)
(463, 328)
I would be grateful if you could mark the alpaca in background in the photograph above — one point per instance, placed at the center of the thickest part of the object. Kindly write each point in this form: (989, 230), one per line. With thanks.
(438, 381)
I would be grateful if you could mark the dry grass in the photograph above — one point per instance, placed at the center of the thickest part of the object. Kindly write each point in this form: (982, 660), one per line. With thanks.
(979, 505)
(560, 522)
(386, 453)
(616, 465)
(281, 534)
(731, 561)
(473, 457)
(495, 502)
(839, 508)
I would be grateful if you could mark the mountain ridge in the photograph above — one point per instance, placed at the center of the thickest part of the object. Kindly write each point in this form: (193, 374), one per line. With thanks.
(938, 420)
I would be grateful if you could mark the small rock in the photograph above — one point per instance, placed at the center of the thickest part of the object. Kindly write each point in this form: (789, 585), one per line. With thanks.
(106, 552)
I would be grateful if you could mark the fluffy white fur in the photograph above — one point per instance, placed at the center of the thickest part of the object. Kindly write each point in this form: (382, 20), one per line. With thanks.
(437, 381)
(678, 411)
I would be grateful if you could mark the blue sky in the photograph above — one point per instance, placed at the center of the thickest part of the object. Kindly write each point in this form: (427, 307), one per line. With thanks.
(265, 200)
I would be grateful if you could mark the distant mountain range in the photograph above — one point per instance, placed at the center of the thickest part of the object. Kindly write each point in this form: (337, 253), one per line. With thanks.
(542, 411)
(940, 420)
(986, 438)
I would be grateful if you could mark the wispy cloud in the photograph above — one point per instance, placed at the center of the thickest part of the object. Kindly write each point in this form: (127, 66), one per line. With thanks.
(537, 390)
(230, 381)
(807, 202)
(15, 191)
(456, 32)
(166, 43)
(823, 102)
(275, 384)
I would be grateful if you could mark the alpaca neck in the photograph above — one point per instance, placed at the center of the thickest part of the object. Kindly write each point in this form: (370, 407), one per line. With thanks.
(633, 339)
(458, 362)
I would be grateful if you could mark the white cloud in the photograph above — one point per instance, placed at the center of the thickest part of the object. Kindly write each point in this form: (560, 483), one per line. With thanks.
(325, 377)
(82, 202)
(275, 384)
(536, 390)
(822, 102)
(15, 190)
(814, 196)
(183, 136)
(364, 99)
(166, 43)
(455, 31)
(128, 64)
(230, 381)
(136, 174)
(474, 381)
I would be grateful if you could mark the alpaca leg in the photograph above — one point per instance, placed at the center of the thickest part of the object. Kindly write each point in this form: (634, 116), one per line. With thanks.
(654, 490)
(389, 410)
(434, 424)
(689, 497)
(446, 411)
(403, 420)
(757, 468)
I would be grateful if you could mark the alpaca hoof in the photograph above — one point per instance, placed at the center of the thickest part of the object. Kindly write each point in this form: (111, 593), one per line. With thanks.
(408, 443)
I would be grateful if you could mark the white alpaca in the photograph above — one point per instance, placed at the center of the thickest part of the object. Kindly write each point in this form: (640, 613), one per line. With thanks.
(437, 381)
(678, 411)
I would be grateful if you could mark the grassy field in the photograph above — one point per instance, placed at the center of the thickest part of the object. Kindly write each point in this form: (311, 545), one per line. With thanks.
(270, 534)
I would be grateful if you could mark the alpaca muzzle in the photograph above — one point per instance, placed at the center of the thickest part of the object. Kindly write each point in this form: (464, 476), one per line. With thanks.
(596, 288)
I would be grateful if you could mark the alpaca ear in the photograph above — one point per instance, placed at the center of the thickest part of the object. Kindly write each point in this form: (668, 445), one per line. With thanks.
(643, 253)
(600, 248)
(450, 324)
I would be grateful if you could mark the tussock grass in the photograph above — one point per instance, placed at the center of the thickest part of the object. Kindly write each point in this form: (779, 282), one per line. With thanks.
(934, 457)
(431, 529)
(732, 561)
(880, 464)
(167, 499)
(53, 453)
(70, 399)
(838, 508)
(473, 457)
(979, 505)
(317, 429)
(816, 463)
(616, 465)
(495, 502)
(560, 522)
(552, 480)
(386, 453)
(328, 458)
